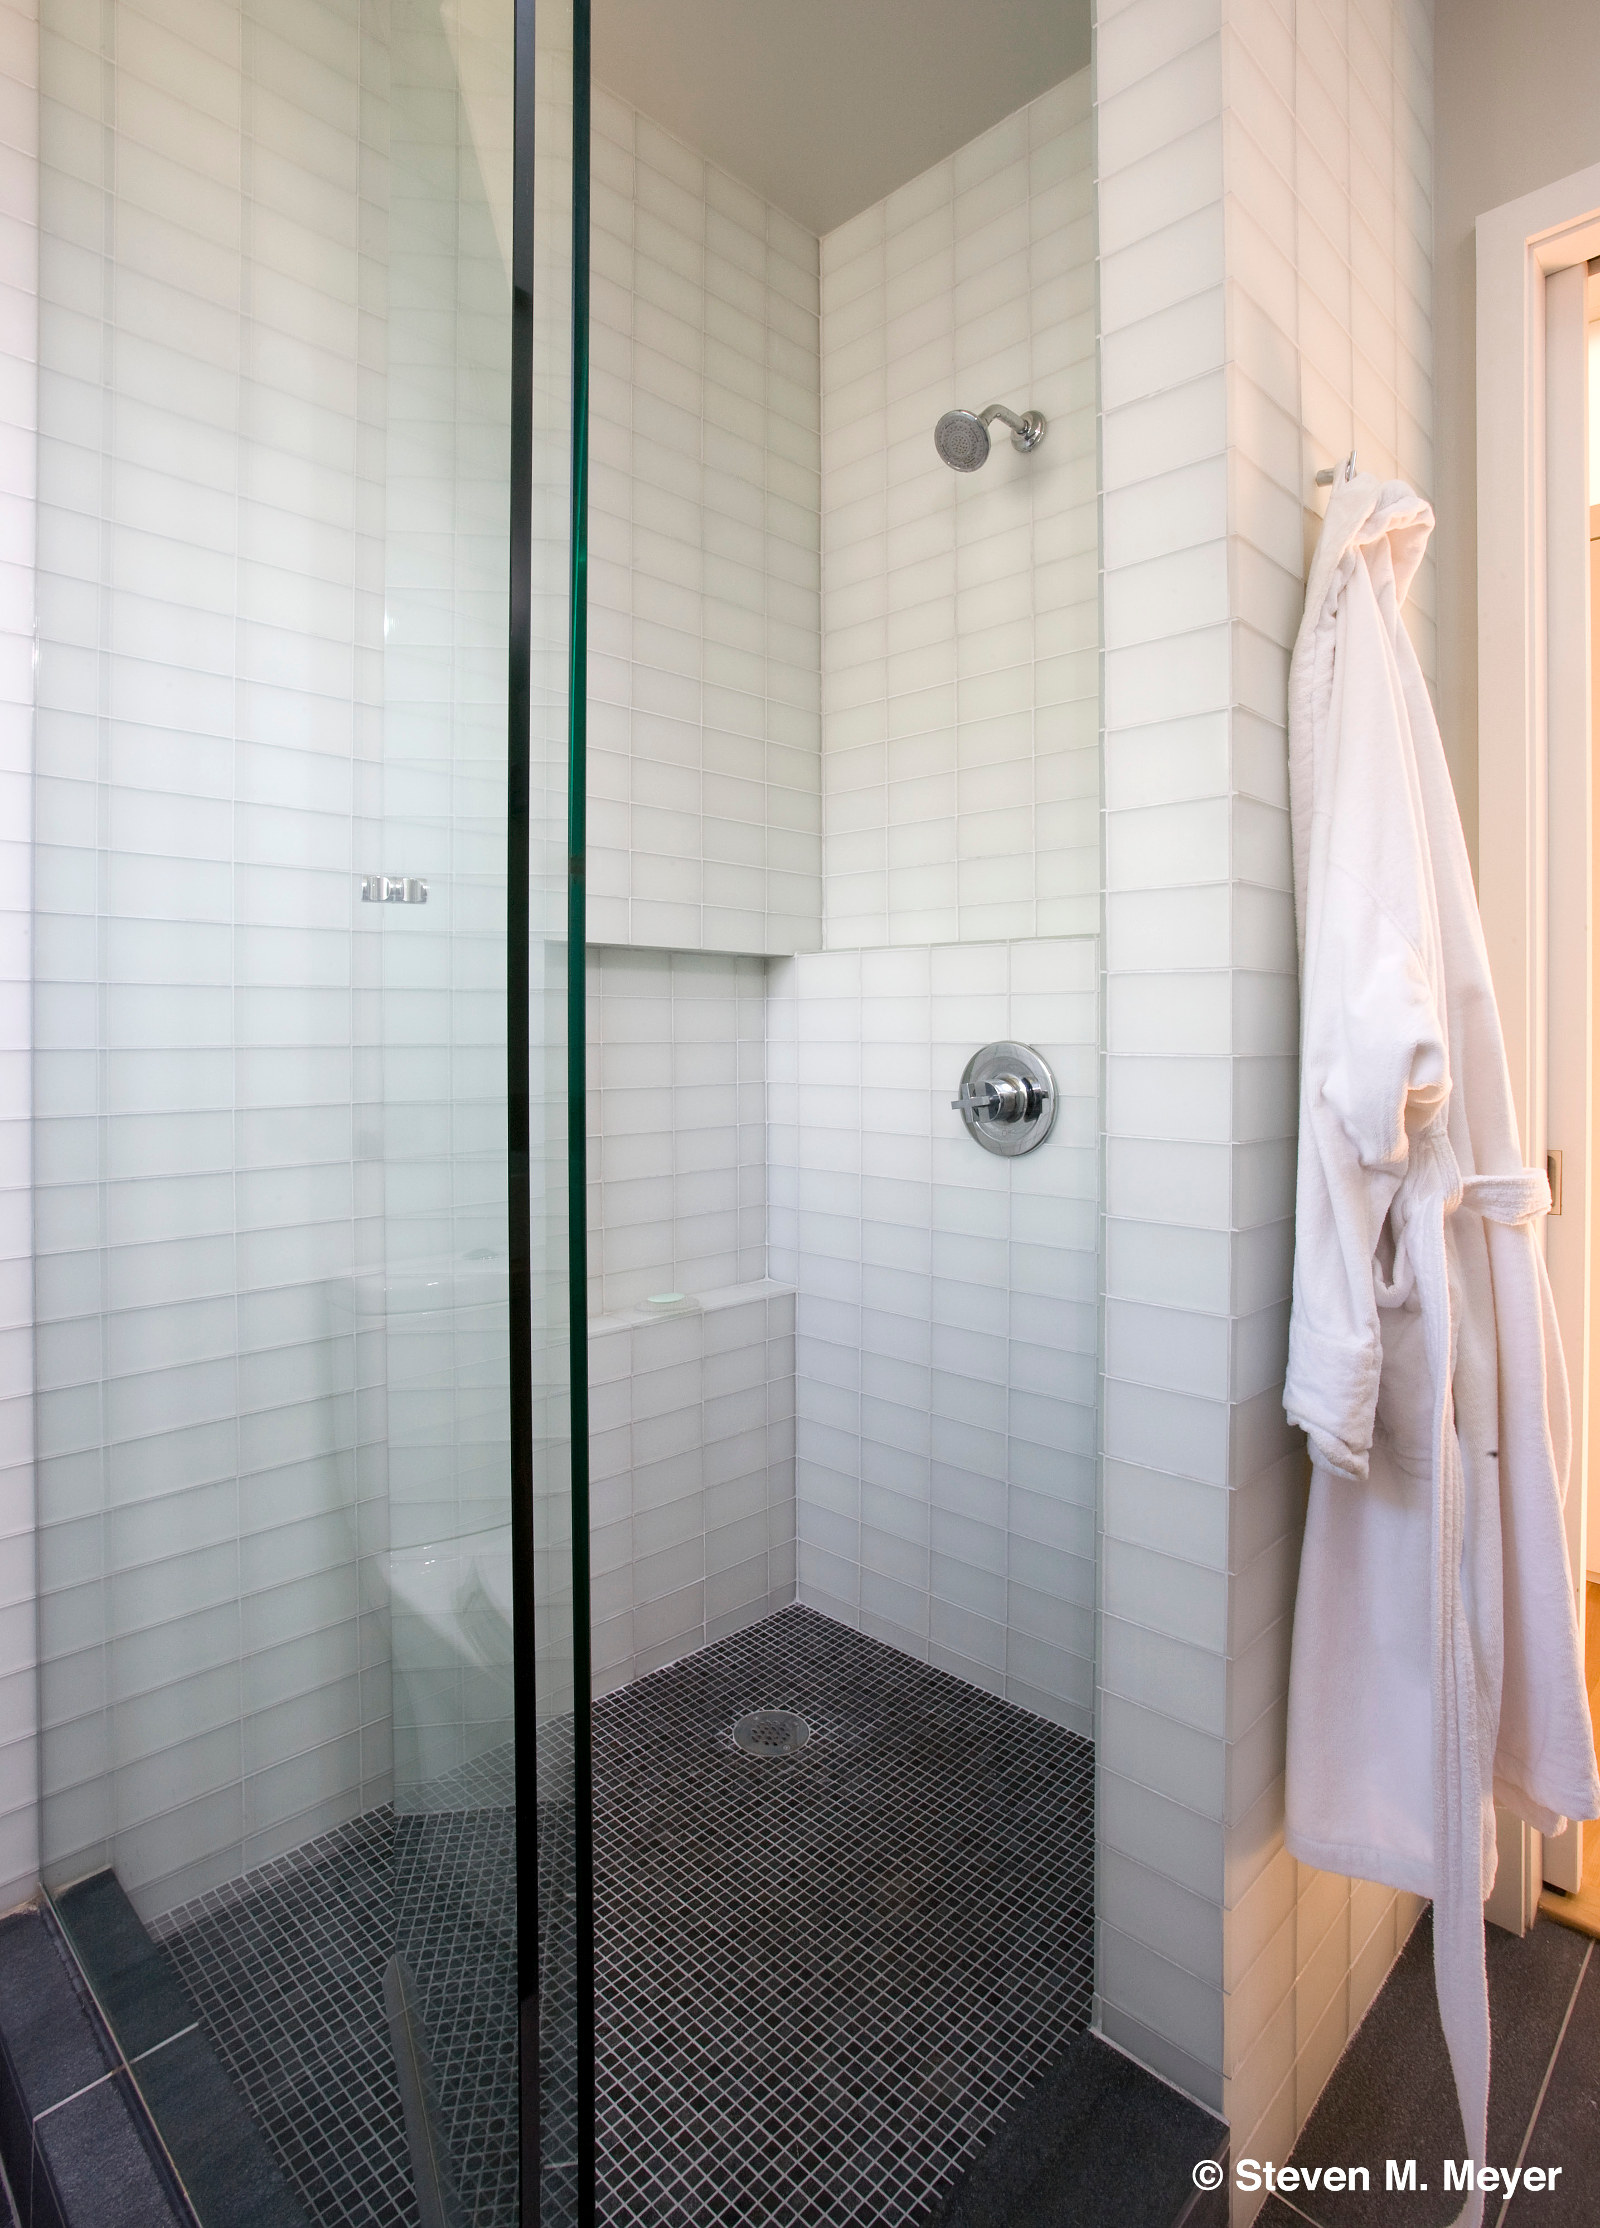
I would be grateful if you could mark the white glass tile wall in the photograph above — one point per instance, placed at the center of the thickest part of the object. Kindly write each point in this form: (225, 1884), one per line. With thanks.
(433, 1069)
(961, 612)
(227, 435)
(206, 675)
(1265, 271)
(945, 1356)
(691, 1476)
(19, 1855)
(705, 815)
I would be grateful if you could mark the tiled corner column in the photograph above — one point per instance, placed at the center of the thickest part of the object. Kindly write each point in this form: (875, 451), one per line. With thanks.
(19, 329)
(1327, 160)
(1248, 228)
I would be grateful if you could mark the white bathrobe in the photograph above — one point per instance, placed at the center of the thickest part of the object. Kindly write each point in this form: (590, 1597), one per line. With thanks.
(1436, 1663)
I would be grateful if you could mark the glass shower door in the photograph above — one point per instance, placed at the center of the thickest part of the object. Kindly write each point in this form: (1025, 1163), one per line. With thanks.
(301, 845)
(437, 1068)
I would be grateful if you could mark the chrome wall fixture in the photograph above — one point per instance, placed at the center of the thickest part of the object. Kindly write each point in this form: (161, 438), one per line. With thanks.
(1008, 1098)
(962, 436)
(1330, 472)
(393, 889)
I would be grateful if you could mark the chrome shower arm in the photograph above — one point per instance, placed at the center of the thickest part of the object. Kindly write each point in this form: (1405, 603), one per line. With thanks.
(1026, 432)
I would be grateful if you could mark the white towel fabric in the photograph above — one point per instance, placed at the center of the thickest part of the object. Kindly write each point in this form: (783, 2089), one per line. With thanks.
(1436, 1663)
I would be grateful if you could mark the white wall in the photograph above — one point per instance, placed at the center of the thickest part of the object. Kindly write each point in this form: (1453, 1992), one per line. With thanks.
(1518, 108)
(704, 780)
(210, 671)
(946, 1324)
(430, 1079)
(691, 1476)
(1265, 246)
(1351, 104)
(19, 253)
(945, 1359)
(961, 622)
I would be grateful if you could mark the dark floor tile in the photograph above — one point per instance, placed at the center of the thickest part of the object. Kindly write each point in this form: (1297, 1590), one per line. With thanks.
(96, 2159)
(1210, 2208)
(1276, 2214)
(49, 2038)
(823, 1980)
(1567, 2131)
(1530, 1987)
(1096, 2139)
(221, 2155)
(132, 1977)
(1392, 2094)
(286, 1966)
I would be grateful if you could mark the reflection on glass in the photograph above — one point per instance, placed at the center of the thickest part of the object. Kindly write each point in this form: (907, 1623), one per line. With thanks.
(279, 1603)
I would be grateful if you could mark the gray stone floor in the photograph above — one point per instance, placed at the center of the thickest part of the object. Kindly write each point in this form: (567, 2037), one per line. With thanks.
(1391, 2095)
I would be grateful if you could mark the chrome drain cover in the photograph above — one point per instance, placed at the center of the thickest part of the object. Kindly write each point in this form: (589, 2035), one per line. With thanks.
(770, 1733)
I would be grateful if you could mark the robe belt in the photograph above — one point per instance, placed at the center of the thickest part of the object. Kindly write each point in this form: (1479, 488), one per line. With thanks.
(1517, 1198)
(1520, 1197)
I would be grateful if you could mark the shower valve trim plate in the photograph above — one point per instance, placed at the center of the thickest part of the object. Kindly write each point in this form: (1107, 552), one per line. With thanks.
(1007, 1098)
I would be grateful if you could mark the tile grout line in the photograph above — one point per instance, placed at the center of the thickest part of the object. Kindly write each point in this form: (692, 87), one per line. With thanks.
(166, 2042)
(1298, 2211)
(61, 2103)
(1538, 2102)
(8, 2196)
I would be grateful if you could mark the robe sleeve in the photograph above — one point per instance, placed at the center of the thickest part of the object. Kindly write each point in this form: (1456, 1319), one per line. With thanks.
(1374, 1065)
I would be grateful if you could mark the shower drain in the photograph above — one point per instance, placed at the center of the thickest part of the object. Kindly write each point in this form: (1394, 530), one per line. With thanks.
(770, 1732)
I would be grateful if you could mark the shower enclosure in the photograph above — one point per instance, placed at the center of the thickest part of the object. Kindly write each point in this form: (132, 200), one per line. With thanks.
(567, 1097)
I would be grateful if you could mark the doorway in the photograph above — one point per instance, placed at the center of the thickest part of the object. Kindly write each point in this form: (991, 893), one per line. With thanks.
(1537, 792)
(1578, 1905)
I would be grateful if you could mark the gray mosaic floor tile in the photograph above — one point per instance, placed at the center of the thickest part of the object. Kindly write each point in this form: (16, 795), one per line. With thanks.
(821, 1979)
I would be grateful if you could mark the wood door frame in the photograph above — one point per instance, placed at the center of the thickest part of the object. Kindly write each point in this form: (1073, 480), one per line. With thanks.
(1525, 690)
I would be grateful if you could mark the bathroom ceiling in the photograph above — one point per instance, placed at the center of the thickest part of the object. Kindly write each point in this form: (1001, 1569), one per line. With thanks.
(824, 106)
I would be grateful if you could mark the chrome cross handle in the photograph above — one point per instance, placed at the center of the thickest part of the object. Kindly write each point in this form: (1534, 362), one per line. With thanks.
(1003, 1098)
(1007, 1099)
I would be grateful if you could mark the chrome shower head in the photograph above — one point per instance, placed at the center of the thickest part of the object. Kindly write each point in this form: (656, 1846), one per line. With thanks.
(962, 436)
(962, 439)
